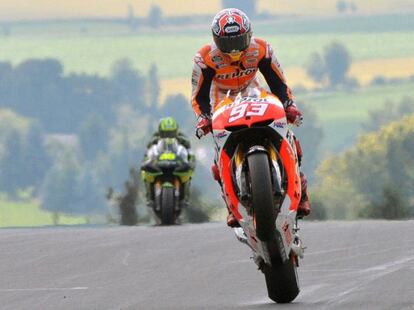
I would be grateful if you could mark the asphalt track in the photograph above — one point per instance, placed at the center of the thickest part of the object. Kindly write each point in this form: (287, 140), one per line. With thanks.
(348, 265)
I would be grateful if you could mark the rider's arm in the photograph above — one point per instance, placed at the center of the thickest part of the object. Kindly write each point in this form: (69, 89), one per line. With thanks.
(150, 155)
(201, 80)
(273, 74)
(183, 140)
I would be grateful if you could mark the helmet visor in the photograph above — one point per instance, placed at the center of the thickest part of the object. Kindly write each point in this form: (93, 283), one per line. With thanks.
(228, 44)
(168, 133)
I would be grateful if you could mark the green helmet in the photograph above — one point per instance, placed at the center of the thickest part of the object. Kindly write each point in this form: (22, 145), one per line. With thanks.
(168, 128)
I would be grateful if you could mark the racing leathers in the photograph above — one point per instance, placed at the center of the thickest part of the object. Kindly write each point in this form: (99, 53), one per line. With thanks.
(180, 146)
(215, 76)
(181, 138)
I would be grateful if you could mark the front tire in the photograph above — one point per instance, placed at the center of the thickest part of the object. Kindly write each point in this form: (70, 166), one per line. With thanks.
(262, 196)
(167, 206)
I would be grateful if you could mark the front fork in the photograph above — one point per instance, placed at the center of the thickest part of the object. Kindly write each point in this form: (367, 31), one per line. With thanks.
(158, 185)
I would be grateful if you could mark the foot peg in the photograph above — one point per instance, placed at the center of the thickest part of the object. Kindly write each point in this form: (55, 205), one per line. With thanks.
(297, 247)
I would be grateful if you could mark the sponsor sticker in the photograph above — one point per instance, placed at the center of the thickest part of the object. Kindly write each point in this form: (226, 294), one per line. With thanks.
(221, 135)
(222, 65)
(217, 59)
(250, 99)
(280, 124)
(250, 62)
(240, 73)
(232, 29)
(287, 233)
(254, 53)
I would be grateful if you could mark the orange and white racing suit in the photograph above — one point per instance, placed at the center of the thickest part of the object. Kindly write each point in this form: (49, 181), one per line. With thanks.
(214, 74)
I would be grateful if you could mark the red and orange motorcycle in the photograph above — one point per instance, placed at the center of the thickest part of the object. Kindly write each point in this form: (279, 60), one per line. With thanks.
(258, 166)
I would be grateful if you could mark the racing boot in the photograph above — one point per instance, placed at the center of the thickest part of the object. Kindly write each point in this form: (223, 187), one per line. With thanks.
(216, 173)
(304, 207)
(231, 220)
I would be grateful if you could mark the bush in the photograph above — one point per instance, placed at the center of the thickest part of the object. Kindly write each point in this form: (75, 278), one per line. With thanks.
(391, 207)
(332, 67)
(318, 208)
(337, 63)
(351, 84)
(341, 6)
(155, 17)
(311, 136)
(388, 112)
(379, 81)
(373, 179)
(199, 210)
(315, 68)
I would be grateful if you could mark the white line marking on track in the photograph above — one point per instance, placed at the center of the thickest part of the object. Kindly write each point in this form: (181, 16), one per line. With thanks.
(382, 270)
(40, 289)
(353, 247)
(311, 289)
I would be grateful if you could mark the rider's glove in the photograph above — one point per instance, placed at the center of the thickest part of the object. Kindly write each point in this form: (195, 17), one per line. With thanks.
(203, 125)
(293, 115)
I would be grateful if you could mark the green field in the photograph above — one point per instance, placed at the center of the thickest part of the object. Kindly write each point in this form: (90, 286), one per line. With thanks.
(173, 53)
(29, 214)
(341, 114)
(92, 46)
(339, 24)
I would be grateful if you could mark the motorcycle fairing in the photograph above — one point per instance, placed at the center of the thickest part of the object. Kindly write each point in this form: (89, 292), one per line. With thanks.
(230, 165)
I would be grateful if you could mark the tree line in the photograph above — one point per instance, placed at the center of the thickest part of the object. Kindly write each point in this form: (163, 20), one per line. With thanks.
(374, 178)
(65, 139)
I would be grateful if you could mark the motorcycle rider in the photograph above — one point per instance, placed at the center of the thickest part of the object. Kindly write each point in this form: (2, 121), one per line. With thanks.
(168, 128)
(227, 66)
(169, 133)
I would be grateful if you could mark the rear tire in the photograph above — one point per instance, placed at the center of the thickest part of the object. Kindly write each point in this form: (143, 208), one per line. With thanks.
(281, 278)
(167, 206)
(282, 282)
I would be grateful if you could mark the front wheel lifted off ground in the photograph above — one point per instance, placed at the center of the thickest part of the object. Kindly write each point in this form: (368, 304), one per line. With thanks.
(262, 196)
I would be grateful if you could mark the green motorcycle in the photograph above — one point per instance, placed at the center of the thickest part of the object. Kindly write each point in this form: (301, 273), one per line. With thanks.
(167, 171)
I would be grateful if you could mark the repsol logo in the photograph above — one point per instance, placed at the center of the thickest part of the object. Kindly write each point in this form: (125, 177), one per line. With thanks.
(236, 74)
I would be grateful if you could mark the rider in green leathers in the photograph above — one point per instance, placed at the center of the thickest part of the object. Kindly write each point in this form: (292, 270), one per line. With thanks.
(168, 136)
(168, 128)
